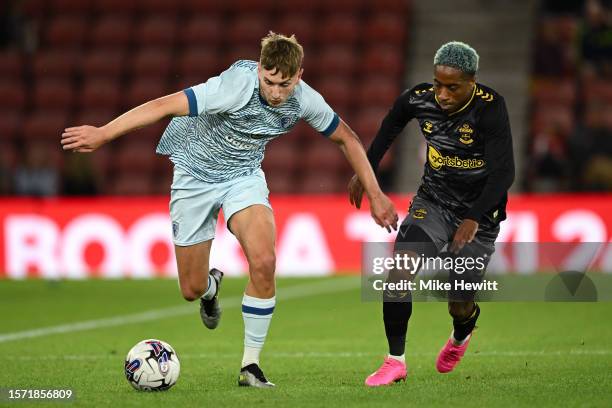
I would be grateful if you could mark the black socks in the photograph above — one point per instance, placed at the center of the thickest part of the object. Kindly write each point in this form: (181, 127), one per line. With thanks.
(463, 327)
(396, 316)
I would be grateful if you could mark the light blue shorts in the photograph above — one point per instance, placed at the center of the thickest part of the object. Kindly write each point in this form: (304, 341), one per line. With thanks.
(195, 204)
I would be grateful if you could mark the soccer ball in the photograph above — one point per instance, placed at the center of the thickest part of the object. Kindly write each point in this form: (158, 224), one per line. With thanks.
(152, 365)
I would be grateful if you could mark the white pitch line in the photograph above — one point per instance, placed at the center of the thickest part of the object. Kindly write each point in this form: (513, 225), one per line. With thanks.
(510, 353)
(292, 292)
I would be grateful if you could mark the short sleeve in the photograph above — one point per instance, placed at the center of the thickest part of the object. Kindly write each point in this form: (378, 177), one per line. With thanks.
(316, 111)
(227, 92)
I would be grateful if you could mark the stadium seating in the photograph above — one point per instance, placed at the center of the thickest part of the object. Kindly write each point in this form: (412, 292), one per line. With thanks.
(151, 63)
(156, 31)
(51, 93)
(299, 6)
(102, 93)
(386, 28)
(247, 30)
(344, 29)
(302, 25)
(103, 64)
(115, 7)
(77, 8)
(141, 90)
(198, 64)
(11, 65)
(10, 128)
(208, 7)
(571, 100)
(112, 31)
(338, 91)
(66, 31)
(44, 125)
(92, 115)
(201, 30)
(55, 63)
(337, 60)
(14, 96)
(97, 58)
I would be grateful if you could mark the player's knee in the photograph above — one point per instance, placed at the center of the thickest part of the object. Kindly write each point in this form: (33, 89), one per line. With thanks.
(262, 272)
(263, 265)
(193, 291)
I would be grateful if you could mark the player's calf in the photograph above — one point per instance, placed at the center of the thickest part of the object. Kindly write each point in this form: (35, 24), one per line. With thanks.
(465, 315)
(261, 276)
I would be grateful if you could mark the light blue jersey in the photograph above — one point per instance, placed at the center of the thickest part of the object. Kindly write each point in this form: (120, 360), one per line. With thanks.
(229, 124)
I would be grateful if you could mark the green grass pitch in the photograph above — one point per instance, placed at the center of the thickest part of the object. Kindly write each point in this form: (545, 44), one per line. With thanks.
(322, 344)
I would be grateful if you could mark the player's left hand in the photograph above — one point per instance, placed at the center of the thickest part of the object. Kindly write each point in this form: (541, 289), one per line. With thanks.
(383, 211)
(465, 234)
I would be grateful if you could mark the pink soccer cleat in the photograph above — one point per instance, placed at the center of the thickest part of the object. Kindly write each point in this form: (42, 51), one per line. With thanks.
(390, 372)
(450, 355)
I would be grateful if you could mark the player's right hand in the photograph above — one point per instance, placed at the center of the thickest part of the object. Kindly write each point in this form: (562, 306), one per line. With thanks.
(83, 139)
(383, 212)
(355, 191)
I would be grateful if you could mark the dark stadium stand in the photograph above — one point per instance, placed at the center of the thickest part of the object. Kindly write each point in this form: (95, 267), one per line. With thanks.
(571, 98)
(93, 59)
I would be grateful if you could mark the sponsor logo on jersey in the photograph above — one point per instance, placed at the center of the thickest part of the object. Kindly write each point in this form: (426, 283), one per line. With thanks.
(427, 126)
(437, 160)
(465, 134)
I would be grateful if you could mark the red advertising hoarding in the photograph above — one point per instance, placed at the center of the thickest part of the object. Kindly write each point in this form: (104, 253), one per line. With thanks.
(317, 235)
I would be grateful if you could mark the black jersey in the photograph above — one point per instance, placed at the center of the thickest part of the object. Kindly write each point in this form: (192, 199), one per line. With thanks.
(470, 164)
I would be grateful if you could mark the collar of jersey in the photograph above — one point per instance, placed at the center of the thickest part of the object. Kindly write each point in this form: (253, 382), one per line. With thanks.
(464, 106)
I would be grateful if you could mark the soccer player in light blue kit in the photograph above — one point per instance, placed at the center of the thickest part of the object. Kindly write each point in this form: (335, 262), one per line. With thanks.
(216, 141)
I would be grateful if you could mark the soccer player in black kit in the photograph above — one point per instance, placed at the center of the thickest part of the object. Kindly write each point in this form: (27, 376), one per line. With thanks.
(462, 197)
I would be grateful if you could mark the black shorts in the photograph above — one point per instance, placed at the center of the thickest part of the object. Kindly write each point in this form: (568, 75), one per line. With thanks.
(440, 225)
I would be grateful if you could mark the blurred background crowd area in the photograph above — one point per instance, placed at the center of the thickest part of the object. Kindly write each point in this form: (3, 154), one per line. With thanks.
(571, 98)
(74, 62)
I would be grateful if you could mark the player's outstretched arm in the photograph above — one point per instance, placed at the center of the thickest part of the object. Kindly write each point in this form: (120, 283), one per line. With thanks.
(86, 139)
(381, 207)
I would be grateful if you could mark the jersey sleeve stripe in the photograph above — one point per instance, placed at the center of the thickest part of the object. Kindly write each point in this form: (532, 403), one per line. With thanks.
(332, 126)
(193, 103)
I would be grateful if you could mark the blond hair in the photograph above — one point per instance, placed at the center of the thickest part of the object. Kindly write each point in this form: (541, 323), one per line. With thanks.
(282, 53)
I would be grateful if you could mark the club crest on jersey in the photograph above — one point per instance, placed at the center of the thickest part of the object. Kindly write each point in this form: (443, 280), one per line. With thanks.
(466, 132)
(427, 126)
(286, 122)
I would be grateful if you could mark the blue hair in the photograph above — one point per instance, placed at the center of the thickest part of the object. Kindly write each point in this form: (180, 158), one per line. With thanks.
(458, 55)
